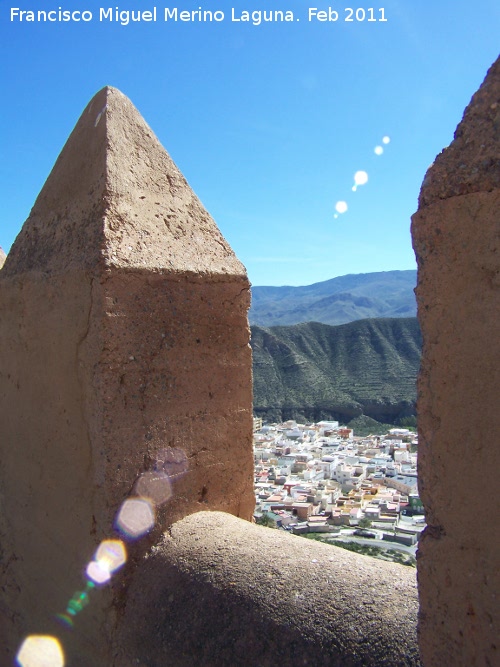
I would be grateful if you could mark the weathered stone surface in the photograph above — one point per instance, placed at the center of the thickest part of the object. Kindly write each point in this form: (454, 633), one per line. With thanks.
(456, 236)
(123, 333)
(219, 592)
(472, 161)
(116, 199)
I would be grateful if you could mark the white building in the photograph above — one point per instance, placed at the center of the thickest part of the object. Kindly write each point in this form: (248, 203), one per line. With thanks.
(403, 483)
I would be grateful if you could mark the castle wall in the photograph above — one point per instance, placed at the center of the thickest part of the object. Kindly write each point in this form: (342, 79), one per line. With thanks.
(456, 236)
(124, 356)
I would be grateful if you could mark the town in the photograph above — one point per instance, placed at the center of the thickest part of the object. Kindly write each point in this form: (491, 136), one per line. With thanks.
(321, 481)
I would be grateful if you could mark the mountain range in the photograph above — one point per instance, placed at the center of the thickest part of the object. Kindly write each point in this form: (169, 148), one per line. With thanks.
(336, 301)
(314, 371)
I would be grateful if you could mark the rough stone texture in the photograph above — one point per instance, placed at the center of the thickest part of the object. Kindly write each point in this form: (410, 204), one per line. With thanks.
(123, 332)
(471, 163)
(219, 592)
(456, 236)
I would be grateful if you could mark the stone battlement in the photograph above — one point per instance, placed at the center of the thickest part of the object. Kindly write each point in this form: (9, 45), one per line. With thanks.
(125, 375)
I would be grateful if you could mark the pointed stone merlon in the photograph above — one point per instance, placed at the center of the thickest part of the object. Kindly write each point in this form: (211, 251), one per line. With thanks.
(456, 236)
(2, 257)
(123, 349)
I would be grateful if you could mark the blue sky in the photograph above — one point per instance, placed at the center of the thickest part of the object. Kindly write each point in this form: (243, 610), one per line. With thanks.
(268, 123)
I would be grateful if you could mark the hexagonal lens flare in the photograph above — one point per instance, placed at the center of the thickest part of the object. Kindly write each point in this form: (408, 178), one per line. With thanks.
(172, 461)
(109, 557)
(154, 486)
(40, 651)
(111, 554)
(136, 517)
(97, 572)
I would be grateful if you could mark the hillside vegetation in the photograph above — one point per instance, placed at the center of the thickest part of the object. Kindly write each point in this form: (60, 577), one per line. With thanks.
(336, 301)
(314, 371)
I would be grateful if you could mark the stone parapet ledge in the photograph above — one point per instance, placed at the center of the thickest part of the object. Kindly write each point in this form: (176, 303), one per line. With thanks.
(219, 591)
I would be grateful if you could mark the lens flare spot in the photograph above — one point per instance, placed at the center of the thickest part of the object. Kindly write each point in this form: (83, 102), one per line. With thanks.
(360, 178)
(111, 554)
(154, 486)
(341, 207)
(40, 651)
(172, 461)
(354, 188)
(78, 602)
(109, 557)
(386, 140)
(378, 150)
(135, 517)
(66, 620)
(98, 572)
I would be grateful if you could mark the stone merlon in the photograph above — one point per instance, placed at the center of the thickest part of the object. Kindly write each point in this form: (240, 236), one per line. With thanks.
(124, 343)
(456, 236)
(115, 198)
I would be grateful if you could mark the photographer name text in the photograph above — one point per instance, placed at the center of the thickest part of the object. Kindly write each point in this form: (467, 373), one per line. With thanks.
(174, 14)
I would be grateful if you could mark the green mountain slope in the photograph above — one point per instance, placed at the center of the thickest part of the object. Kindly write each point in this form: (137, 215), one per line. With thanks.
(336, 301)
(314, 371)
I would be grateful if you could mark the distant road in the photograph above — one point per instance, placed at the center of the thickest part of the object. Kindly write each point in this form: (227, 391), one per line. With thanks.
(384, 544)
